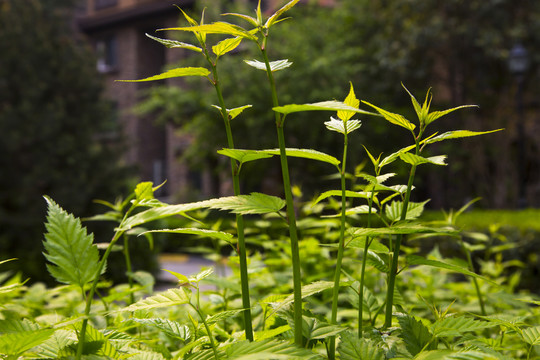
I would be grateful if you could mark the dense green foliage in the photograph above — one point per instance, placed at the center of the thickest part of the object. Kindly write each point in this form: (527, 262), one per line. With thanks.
(51, 117)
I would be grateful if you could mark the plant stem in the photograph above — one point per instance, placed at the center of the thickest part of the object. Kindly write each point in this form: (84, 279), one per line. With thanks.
(295, 254)
(341, 246)
(129, 270)
(395, 257)
(244, 279)
(475, 281)
(363, 272)
(201, 316)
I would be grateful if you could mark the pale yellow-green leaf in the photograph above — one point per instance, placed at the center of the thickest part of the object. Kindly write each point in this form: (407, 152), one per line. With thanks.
(173, 73)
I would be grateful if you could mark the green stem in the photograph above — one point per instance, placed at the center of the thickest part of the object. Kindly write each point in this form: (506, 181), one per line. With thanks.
(201, 316)
(129, 270)
(244, 279)
(295, 254)
(475, 281)
(341, 247)
(363, 272)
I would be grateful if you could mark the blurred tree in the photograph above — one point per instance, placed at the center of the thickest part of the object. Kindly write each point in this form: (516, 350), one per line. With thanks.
(52, 118)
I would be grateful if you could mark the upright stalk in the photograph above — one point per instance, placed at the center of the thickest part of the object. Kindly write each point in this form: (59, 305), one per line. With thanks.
(291, 216)
(241, 249)
(395, 256)
(341, 246)
(363, 271)
(129, 269)
(475, 281)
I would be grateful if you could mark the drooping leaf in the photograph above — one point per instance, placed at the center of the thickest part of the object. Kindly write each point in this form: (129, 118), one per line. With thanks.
(74, 258)
(274, 65)
(419, 260)
(243, 156)
(353, 348)
(393, 118)
(16, 343)
(416, 160)
(195, 231)
(320, 106)
(306, 154)
(171, 297)
(272, 19)
(456, 134)
(255, 203)
(219, 27)
(171, 328)
(341, 127)
(173, 73)
(415, 335)
(175, 44)
(227, 45)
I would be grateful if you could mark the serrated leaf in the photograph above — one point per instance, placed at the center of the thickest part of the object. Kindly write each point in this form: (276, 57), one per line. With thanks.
(144, 191)
(456, 134)
(307, 290)
(531, 335)
(175, 44)
(348, 193)
(359, 242)
(419, 260)
(255, 203)
(223, 315)
(414, 210)
(353, 348)
(16, 343)
(219, 27)
(74, 258)
(52, 347)
(314, 329)
(233, 113)
(267, 349)
(171, 297)
(362, 209)
(106, 348)
(227, 45)
(243, 156)
(420, 111)
(457, 325)
(392, 157)
(171, 328)
(437, 114)
(319, 106)
(249, 19)
(274, 65)
(146, 355)
(352, 101)
(272, 19)
(306, 154)
(416, 160)
(393, 118)
(272, 333)
(220, 235)
(378, 263)
(173, 73)
(415, 335)
(341, 127)
(396, 230)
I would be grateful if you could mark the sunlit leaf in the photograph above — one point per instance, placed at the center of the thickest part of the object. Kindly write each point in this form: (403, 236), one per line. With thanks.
(320, 106)
(173, 73)
(255, 203)
(457, 325)
(274, 65)
(415, 335)
(353, 348)
(175, 44)
(350, 100)
(171, 297)
(234, 112)
(15, 343)
(315, 329)
(396, 230)
(531, 335)
(249, 19)
(267, 349)
(456, 134)
(437, 114)
(393, 118)
(392, 157)
(243, 156)
(306, 154)
(272, 19)
(219, 27)
(341, 127)
(194, 231)
(416, 160)
(348, 193)
(226, 46)
(359, 242)
(414, 210)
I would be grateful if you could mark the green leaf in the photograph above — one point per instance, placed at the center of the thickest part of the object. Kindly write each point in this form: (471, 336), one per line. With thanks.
(359, 242)
(74, 258)
(175, 44)
(416, 160)
(437, 114)
(171, 297)
(306, 154)
(173, 73)
(267, 349)
(272, 19)
(342, 127)
(456, 325)
(274, 65)
(272, 333)
(234, 112)
(243, 156)
(226, 46)
(53, 347)
(420, 111)
(395, 119)
(396, 230)
(531, 335)
(255, 203)
(414, 210)
(348, 193)
(223, 315)
(307, 290)
(106, 348)
(415, 335)
(419, 260)
(362, 209)
(352, 101)
(392, 157)
(171, 328)
(319, 106)
(353, 348)
(379, 263)
(144, 191)
(219, 27)
(249, 19)
(456, 134)
(16, 343)
(220, 235)
(314, 329)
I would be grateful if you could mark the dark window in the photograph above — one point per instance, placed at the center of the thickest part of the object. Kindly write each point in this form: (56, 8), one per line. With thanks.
(100, 4)
(107, 54)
